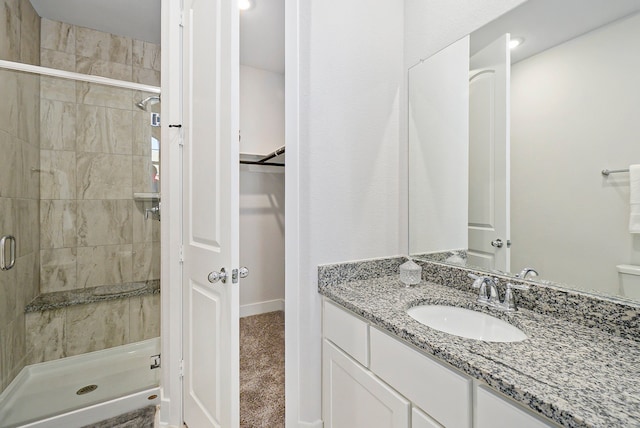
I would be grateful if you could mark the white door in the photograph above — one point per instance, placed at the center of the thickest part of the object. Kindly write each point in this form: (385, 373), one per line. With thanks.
(210, 204)
(489, 229)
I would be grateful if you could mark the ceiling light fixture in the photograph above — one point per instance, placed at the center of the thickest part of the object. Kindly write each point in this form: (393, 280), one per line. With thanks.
(515, 42)
(245, 4)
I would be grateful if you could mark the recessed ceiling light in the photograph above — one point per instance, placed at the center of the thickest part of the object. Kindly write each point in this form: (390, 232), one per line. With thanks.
(515, 42)
(245, 4)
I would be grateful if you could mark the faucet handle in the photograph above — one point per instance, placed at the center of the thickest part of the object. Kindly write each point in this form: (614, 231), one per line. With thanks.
(517, 286)
(510, 304)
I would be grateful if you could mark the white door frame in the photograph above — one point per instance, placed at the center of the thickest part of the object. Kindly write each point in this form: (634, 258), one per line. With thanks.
(293, 281)
(171, 231)
(171, 226)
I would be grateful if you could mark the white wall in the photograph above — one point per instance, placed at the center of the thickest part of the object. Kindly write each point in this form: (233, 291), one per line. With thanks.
(575, 111)
(261, 192)
(351, 157)
(351, 78)
(261, 110)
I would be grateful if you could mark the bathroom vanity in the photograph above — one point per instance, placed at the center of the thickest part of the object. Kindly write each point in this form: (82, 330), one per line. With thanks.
(578, 366)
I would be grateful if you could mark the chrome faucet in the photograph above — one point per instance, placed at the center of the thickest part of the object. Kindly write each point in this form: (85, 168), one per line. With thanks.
(526, 271)
(488, 294)
(486, 297)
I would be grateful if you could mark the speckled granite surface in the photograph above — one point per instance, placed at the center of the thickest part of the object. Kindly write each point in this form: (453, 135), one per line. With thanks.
(61, 299)
(569, 371)
(141, 418)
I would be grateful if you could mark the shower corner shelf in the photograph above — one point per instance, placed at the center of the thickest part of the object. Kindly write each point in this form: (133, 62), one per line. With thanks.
(146, 196)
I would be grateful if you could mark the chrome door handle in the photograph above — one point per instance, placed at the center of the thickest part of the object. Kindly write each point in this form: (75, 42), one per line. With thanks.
(218, 276)
(497, 243)
(12, 252)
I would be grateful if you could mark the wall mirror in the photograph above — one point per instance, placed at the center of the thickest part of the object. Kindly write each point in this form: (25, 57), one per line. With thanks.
(525, 145)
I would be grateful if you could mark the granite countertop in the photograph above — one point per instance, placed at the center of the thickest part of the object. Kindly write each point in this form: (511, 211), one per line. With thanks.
(575, 375)
(81, 296)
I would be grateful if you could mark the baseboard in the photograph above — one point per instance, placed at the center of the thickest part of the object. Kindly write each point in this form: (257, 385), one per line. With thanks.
(261, 307)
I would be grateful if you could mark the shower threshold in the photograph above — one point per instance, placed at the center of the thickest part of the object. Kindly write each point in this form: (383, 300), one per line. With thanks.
(83, 389)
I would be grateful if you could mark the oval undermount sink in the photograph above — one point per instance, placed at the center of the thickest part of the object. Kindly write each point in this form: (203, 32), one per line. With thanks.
(466, 323)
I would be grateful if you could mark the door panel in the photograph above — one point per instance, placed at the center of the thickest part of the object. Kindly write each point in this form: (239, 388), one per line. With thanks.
(210, 224)
(489, 156)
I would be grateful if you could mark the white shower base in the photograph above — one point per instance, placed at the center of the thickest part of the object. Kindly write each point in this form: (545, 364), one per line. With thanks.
(44, 395)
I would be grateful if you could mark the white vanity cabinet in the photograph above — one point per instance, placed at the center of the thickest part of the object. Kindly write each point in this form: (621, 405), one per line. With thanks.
(372, 379)
(354, 398)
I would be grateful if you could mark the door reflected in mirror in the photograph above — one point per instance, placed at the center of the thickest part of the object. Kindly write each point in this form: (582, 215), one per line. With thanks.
(573, 112)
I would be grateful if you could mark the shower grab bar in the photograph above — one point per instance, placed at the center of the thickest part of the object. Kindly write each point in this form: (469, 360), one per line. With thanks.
(606, 172)
(12, 252)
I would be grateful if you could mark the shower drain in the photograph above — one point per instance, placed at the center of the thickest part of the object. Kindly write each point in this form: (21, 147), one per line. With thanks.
(86, 389)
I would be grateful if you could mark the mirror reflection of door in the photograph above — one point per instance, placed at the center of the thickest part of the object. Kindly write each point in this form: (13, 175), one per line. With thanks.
(489, 233)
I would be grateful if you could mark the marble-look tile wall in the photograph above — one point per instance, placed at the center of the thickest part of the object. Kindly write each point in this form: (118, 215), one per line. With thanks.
(19, 186)
(95, 153)
(78, 329)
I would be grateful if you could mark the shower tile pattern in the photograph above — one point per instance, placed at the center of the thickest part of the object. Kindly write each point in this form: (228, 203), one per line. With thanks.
(92, 233)
(19, 186)
(95, 152)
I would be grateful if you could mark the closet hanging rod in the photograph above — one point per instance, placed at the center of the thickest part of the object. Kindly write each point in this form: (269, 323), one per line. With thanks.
(277, 152)
(245, 162)
(606, 172)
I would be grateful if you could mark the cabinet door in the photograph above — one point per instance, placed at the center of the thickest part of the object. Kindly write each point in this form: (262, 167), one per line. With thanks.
(493, 411)
(352, 397)
(419, 419)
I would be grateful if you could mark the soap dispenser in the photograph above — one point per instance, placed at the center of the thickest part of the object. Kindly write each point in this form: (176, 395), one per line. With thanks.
(410, 273)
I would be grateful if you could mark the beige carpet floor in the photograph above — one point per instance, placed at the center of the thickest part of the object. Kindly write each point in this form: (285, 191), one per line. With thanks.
(262, 370)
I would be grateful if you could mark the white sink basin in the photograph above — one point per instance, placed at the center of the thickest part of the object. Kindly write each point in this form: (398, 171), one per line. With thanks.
(466, 323)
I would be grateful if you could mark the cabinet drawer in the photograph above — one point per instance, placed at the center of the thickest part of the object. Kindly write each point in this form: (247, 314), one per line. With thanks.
(493, 411)
(440, 391)
(350, 333)
(352, 397)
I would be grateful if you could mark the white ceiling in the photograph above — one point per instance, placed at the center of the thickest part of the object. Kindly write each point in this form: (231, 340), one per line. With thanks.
(261, 28)
(547, 23)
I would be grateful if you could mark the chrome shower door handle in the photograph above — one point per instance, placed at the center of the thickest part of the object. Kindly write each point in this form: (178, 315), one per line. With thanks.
(497, 243)
(3, 252)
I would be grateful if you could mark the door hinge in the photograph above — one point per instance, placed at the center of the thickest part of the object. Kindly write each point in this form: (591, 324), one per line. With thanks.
(181, 254)
(182, 18)
(154, 362)
(181, 369)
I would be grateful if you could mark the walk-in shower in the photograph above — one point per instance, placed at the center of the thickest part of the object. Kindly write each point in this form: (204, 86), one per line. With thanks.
(79, 171)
